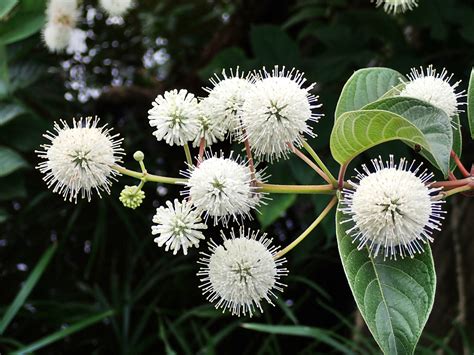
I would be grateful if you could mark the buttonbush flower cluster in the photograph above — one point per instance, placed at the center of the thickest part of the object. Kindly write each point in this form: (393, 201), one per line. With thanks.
(390, 210)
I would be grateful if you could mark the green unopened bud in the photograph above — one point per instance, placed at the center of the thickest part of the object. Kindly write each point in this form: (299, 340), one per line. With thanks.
(138, 155)
(131, 197)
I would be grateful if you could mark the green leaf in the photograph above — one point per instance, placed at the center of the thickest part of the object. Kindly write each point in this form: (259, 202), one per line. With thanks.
(433, 122)
(357, 131)
(10, 161)
(275, 208)
(320, 334)
(4, 75)
(27, 288)
(22, 25)
(457, 140)
(366, 86)
(84, 323)
(470, 104)
(395, 297)
(6, 6)
(9, 111)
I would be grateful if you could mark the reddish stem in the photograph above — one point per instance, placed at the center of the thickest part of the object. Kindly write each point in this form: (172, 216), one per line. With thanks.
(308, 161)
(451, 176)
(202, 145)
(340, 178)
(459, 164)
(248, 151)
(454, 183)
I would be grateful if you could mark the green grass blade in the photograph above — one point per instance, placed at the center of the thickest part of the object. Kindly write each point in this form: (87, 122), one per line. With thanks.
(322, 335)
(27, 288)
(41, 343)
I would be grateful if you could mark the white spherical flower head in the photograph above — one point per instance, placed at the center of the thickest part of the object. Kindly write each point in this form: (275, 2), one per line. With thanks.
(225, 100)
(116, 7)
(61, 19)
(178, 225)
(79, 159)
(222, 188)
(211, 127)
(276, 113)
(392, 209)
(175, 116)
(396, 6)
(57, 36)
(242, 272)
(434, 88)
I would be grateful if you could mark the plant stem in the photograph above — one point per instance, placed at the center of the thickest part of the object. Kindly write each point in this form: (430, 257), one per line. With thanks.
(459, 164)
(308, 230)
(309, 162)
(340, 178)
(297, 189)
(318, 161)
(189, 159)
(202, 146)
(248, 151)
(149, 177)
(445, 194)
(455, 183)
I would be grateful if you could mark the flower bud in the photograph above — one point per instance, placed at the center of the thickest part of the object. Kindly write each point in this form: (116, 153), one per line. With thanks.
(131, 197)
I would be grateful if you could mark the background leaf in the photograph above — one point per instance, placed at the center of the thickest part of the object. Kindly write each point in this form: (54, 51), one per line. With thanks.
(275, 208)
(366, 86)
(10, 161)
(470, 104)
(6, 6)
(395, 297)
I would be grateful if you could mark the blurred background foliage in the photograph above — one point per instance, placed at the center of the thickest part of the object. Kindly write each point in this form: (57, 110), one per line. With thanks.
(98, 283)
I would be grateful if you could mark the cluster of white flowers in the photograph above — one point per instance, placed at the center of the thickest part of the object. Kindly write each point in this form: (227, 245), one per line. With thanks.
(392, 209)
(60, 32)
(396, 6)
(270, 110)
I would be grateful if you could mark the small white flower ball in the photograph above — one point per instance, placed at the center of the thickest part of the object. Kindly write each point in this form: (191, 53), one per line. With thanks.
(242, 272)
(179, 226)
(225, 100)
(392, 209)
(434, 88)
(175, 116)
(396, 6)
(276, 112)
(79, 159)
(222, 188)
(116, 7)
(211, 127)
(57, 36)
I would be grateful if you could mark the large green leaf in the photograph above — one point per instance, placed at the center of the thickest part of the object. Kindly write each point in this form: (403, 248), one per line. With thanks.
(431, 121)
(10, 161)
(457, 140)
(357, 131)
(4, 75)
(470, 104)
(366, 86)
(395, 297)
(22, 25)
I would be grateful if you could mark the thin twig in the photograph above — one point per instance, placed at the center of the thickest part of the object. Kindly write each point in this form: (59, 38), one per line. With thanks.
(309, 162)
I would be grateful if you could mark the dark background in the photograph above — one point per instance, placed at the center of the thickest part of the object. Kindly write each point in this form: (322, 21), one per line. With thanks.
(106, 258)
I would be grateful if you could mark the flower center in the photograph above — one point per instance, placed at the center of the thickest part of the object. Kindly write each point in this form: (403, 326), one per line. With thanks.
(242, 270)
(275, 111)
